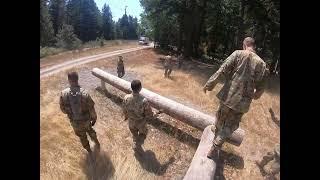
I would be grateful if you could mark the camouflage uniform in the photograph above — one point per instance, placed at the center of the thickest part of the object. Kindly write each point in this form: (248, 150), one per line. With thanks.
(271, 162)
(78, 105)
(244, 72)
(167, 66)
(137, 110)
(120, 69)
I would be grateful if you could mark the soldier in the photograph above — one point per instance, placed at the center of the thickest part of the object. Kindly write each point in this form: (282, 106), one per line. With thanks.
(167, 66)
(120, 67)
(270, 164)
(78, 105)
(245, 74)
(137, 110)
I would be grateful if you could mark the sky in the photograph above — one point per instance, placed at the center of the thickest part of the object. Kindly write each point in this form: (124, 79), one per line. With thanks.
(117, 7)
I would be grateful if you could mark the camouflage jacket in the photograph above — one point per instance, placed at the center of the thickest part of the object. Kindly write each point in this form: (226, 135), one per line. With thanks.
(77, 104)
(168, 61)
(244, 72)
(137, 108)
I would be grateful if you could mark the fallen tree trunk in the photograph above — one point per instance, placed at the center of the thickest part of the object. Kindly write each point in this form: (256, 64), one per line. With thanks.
(202, 167)
(176, 110)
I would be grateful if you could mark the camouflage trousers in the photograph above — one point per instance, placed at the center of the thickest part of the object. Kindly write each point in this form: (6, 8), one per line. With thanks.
(139, 130)
(167, 71)
(81, 128)
(120, 74)
(270, 164)
(227, 122)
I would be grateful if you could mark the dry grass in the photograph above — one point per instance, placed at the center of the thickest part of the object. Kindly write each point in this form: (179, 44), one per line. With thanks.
(109, 46)
(62, 156)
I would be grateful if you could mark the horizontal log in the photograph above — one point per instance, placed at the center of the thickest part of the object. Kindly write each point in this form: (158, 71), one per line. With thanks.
(174, 109)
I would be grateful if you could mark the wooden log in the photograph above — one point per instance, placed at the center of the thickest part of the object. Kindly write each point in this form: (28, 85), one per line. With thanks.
(174, 109)
(201, 167)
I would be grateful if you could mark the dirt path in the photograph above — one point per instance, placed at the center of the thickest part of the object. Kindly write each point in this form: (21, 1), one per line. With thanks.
(44, 72)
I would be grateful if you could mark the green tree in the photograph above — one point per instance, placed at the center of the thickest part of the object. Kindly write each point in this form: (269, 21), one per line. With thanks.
(57, 13)
(107, 22)
(85, 17)
(46, 30)
(66, 38)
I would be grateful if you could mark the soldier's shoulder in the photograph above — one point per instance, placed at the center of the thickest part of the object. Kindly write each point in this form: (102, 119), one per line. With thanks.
(84, 92)
(127, 96)
(258, 58)
(65, 92)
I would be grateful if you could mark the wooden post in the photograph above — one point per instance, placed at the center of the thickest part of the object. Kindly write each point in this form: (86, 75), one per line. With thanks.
(201, 167)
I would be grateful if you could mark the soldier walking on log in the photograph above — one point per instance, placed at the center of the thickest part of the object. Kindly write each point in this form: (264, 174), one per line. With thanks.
(245, 74)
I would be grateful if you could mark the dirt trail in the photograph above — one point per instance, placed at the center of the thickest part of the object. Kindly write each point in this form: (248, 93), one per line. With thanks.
(44, 72)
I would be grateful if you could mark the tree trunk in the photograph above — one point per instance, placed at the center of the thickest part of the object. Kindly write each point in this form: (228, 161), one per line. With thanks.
(202, 167)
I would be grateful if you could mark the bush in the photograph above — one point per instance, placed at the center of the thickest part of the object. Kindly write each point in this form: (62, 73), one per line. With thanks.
(48, 51)
(66, 39)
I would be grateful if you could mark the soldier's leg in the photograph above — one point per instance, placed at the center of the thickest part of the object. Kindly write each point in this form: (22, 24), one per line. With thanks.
(143, 131)
(169, 71)
(271, 169)
(80, 131)
(133, 130)
(229, 122)
(267, 158)
(221, 117)
(93, 135)
(165, 72)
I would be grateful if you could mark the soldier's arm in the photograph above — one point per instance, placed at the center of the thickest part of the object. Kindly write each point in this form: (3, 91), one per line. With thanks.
(92, 111)
(260, 85)
(62, 106)
(148, 113)
(224, 70)
(124, 109)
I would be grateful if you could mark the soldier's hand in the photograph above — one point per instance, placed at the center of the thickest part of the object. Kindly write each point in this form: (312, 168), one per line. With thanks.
(93, 123)
(204, 89)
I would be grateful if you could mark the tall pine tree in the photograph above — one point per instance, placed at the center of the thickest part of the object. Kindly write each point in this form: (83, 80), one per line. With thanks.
(107, 22)
(85, 17)
(57, 13)
(46, 29)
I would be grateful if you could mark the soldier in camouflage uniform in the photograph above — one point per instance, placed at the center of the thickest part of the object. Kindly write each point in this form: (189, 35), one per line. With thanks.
(167, 66)
(180, 59)
(120, 67)
(245, 74)
(271, 163)
(137, 110)
(78, 105)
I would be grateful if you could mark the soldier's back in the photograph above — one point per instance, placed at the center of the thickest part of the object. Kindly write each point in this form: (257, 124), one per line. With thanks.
(134, 104)
(247, 69)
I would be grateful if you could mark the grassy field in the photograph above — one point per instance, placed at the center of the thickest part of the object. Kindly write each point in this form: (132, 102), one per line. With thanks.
(170, 144)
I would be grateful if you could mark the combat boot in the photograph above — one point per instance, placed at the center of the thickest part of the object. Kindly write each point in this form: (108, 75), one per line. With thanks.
(213, 151)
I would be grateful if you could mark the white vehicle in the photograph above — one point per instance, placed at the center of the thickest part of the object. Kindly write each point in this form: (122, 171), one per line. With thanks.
(144, 40)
